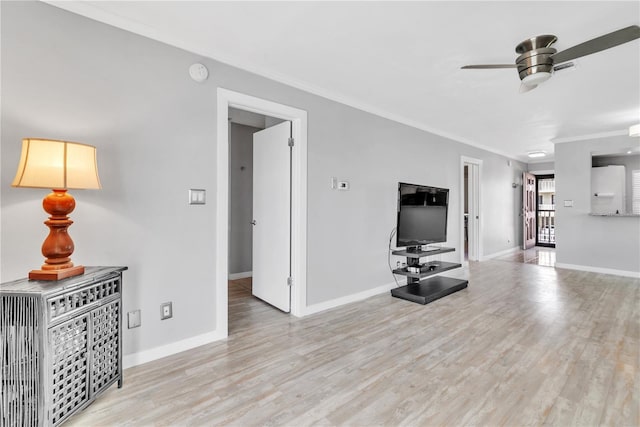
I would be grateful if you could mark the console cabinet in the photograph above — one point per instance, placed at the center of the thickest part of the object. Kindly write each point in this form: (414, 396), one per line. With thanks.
(421, 290)
(60, 345)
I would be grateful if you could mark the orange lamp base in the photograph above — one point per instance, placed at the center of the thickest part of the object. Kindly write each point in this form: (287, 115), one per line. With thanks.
(56, 274)
(58, 246)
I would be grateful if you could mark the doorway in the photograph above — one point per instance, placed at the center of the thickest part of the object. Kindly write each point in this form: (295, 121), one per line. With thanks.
(470, 222)
(298, 129)
(259, 210)
(546, 211)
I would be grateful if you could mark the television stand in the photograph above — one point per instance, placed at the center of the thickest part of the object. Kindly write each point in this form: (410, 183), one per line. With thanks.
(421, 288)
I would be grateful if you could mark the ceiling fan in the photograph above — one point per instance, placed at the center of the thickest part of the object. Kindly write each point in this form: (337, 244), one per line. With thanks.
(538, 59)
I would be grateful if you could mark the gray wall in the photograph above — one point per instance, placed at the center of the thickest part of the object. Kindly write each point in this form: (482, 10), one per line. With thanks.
(67, 77)
(630, 164)
(542, 166)
(240, 197)
(581, 239)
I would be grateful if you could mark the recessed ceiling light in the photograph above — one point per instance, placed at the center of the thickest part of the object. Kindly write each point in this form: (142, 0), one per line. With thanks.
(536, 154)
(634, 130)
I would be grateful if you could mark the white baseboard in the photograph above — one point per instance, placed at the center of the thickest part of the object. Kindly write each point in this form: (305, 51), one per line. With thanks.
(316, 308)
(236, 276)
(155, 353)
(615, 272)
(501, 253)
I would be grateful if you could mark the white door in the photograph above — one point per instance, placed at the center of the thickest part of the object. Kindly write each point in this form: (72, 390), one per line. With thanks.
(272, 215)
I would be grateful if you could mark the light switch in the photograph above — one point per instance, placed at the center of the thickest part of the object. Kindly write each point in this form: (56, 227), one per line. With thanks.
(568, 203)
(197, 196)
(334, 182)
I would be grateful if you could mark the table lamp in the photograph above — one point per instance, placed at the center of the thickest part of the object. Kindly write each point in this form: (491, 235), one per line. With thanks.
(58, 165)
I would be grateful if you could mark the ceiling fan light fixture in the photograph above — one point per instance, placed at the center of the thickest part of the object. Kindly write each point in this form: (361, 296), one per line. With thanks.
(537, 59)
(634, 130)
(536, 154)
(536, 78)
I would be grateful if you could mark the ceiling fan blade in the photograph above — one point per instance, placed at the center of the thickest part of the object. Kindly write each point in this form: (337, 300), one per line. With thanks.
(487, 66)
(526, 88)
(598, 44)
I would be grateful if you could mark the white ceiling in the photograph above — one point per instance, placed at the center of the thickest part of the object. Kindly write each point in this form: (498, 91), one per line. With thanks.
(402, 60)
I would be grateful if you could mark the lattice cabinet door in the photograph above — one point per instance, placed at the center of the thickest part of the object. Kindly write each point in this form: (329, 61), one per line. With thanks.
(105, 363)
(69, 343)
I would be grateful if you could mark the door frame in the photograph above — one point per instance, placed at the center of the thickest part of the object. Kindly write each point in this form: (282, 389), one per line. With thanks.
(475, 208)
(539, 177)
(525, 183)
(225, 99)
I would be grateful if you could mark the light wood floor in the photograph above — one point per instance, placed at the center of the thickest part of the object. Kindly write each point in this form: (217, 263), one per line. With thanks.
(537, 255)
(522, 345)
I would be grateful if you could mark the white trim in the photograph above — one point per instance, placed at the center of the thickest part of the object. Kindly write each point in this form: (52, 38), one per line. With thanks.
(590, 136)
(222, 217)
(298, 118)
(548, 159)
(542, 172)
(334, 303)
(501, 253)
(478, 188)
(156, 353)
(242, 275)
(634, 274)
(93, 11)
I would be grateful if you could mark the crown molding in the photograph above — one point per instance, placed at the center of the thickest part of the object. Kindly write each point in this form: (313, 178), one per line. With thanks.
(589, 136)
(95, 12)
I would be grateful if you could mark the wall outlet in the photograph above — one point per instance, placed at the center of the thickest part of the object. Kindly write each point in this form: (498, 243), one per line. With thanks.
(166, 311)
(134, 319)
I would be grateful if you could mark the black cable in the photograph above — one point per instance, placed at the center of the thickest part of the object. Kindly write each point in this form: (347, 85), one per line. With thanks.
(393, 232)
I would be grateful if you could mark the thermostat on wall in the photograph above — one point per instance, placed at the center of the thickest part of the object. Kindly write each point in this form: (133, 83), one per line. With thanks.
(343, 185)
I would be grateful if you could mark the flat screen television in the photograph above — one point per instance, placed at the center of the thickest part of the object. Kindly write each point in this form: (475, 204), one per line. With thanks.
(422, 215)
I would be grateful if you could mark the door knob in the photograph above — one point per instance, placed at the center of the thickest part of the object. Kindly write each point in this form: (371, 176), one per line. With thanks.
(253, 222)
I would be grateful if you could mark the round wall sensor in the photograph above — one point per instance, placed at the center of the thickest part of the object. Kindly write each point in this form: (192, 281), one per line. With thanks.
(198, 72)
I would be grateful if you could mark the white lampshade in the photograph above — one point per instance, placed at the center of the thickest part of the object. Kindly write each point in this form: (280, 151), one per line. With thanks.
(46, 163)
(634, 130)
(536, 78)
